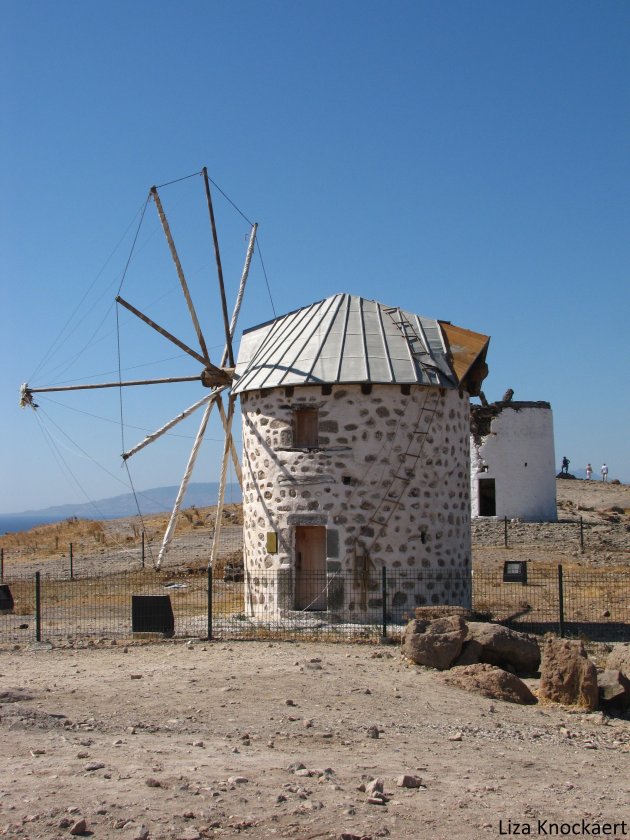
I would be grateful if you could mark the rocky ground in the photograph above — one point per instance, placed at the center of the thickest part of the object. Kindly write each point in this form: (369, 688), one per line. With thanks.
(193, 739)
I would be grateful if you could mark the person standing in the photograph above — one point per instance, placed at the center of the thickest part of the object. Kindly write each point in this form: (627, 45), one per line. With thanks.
(565, 465)
(604, 472)
(589, 472)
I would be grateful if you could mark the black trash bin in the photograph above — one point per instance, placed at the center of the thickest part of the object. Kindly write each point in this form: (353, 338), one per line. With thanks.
(152, 614)
(6, 598)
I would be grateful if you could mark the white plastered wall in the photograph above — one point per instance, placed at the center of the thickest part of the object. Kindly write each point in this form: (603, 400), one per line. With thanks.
(518, 453)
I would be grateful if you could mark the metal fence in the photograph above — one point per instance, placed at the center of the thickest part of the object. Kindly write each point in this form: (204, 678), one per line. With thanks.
(590, 604)
(193, 603)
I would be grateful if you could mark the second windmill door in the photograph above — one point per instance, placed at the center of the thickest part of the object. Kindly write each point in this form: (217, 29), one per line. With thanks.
(310, 567)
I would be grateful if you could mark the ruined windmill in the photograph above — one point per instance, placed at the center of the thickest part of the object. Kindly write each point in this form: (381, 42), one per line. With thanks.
(216, 378)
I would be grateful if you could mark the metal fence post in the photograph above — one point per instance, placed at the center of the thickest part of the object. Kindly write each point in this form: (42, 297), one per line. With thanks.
(582, 533)
(505, 534)
(71, 563)
(209, 603)
(561, 600)
(38, 607)
(143, 549)
(1, 564)
(384, 597)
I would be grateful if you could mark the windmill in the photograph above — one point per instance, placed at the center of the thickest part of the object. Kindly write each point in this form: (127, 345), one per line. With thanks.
(217, 378)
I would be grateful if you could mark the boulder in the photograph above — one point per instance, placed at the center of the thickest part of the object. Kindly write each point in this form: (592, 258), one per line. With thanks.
(498, 645)
(433, 611)
(619, 658)
(491, 682)
(436, 644)
(614, 690)
(567, 675)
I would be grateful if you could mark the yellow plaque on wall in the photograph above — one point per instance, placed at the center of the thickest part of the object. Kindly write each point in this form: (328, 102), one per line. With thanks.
(272, 542)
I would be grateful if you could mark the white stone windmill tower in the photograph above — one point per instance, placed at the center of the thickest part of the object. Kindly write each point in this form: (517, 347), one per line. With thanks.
(356, 426)
(215, 379)
(512, 460)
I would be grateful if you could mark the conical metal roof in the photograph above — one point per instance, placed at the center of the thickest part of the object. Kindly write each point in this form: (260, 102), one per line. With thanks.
(349, 339)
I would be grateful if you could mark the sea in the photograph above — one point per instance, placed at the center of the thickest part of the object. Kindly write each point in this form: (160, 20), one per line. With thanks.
(10, 523)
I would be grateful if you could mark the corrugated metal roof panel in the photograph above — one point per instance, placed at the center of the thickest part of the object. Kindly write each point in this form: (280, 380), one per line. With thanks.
(348, 339)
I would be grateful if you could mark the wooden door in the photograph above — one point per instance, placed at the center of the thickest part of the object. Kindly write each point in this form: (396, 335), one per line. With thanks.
(310, 567)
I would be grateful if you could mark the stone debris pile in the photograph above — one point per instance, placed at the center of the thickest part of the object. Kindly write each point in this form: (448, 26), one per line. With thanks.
(491, 660)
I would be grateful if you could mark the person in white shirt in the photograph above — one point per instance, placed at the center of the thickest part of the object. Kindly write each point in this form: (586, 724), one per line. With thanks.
(604, 472)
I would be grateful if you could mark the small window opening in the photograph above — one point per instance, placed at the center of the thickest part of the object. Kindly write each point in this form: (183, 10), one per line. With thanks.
(366, 388)
(405, 390)
(305, 427)
(326, 390)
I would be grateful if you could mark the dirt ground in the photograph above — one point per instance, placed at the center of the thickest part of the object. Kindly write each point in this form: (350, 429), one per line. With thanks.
(186, 740)
(593, 500)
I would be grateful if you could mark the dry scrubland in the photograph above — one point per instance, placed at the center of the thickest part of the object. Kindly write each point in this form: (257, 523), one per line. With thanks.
(604, 508)
(270, 740)
(50, 541)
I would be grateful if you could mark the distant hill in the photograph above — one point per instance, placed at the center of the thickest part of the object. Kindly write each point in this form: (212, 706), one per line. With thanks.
(155, 500)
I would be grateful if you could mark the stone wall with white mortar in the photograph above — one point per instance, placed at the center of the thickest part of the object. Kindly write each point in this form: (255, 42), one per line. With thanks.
(364, 439)
(518, 453)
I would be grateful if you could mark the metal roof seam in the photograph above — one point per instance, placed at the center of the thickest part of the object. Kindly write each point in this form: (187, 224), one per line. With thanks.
(344, 334)
(385, 344)
(328, 301)
(281, 338)
(324, 339)
(365, 350)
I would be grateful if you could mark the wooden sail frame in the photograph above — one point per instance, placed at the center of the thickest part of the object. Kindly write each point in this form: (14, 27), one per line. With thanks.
(217, 378)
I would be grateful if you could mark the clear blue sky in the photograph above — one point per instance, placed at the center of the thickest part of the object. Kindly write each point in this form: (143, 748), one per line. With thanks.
(466, 161)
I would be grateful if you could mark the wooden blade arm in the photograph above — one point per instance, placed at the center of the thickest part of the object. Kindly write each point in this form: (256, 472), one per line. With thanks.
(26, 391)
(170, 530)
(167, 426)
(222, 480)
(235, 461)
(217, 254)
(162, 331)
(241, 287)
(180, 273)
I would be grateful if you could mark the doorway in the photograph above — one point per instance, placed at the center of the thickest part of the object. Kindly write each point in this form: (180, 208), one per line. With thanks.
(487, 497)
(310, 567)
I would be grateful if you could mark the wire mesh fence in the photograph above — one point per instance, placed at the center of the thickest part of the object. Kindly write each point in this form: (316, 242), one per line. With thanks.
(337, 606)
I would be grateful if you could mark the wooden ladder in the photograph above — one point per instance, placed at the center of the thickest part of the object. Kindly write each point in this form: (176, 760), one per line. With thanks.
(406, 469)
